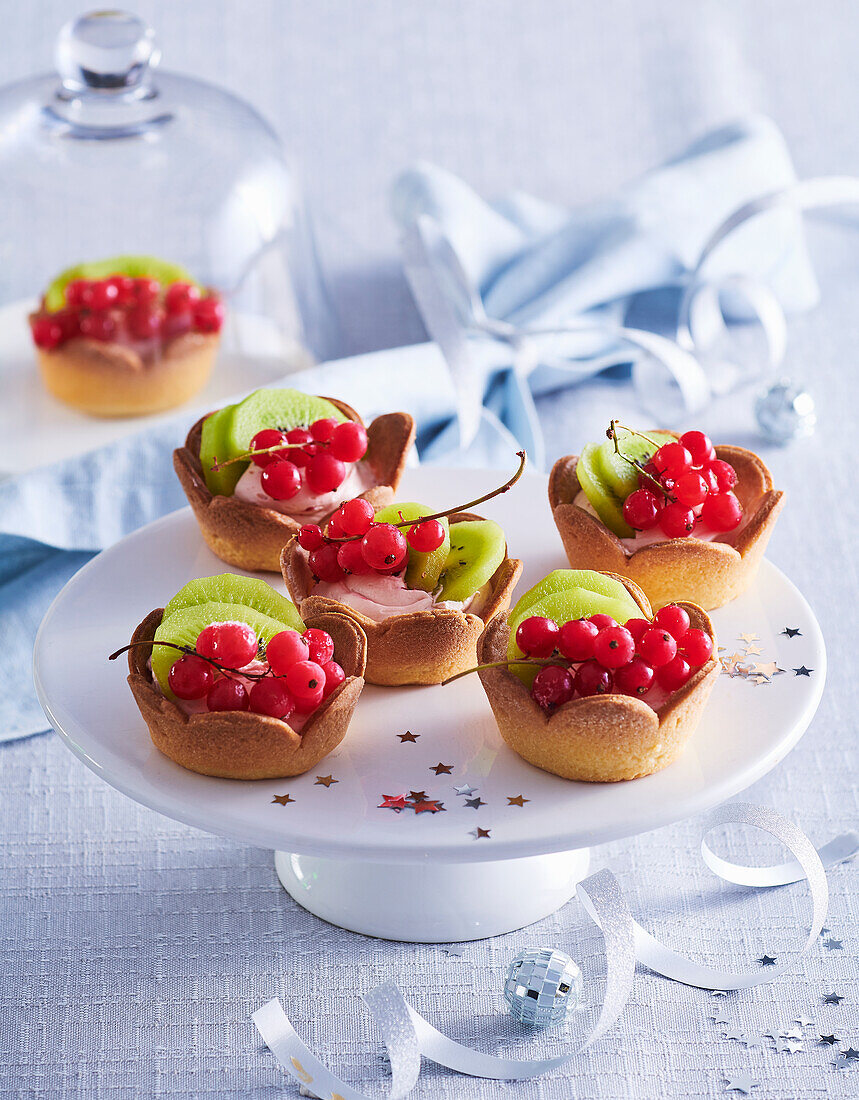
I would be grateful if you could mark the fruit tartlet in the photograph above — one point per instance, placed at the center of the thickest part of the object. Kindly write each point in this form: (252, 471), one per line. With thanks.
(680, 517)
(420, 584)
(586, 683)
(126, 336)
(256, 471)
(232, 683)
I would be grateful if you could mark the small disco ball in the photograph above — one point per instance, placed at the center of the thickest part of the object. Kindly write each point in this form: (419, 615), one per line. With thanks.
(542, 986)
(785, 412)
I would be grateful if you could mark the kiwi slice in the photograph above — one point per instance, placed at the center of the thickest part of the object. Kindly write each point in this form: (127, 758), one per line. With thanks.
(562, 579)
(135, 266)
(477, 548)
(423, 570)
(562, 606)
(607, 503)
(232, 588)
(214, 446)
(274, 409)
(185, 624)
(621, 475)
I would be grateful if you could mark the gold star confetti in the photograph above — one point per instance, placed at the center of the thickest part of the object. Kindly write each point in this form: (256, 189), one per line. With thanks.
(517, 801)
(480, 834)
(282, 799)
(760, 680)
(753, 650)
(325, 781)
(408, 736)
(748, 638)
(768, 668)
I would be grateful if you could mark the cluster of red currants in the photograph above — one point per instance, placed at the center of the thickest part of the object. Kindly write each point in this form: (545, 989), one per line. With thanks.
(121, 308)
(300, 673)
(316, 456)
(607, 657)
(693, 485)
(355, 543)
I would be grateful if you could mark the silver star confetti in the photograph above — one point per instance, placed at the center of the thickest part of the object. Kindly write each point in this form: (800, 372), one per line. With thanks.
(465, 789)
(475, 803)
(733, 1033)
(832, 999)
(753, 1042)
(804, 1021)
(718, 993)
(721, 1018)
(788, 1046)
(741, 1082)
(767, 960)
(828, 1040)
(792, 1034)
(833, 945)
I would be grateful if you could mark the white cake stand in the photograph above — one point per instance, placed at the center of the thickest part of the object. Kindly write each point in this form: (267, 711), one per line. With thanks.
(507, 850)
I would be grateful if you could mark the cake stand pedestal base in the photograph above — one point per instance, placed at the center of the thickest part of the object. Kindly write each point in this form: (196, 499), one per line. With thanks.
(432, 902)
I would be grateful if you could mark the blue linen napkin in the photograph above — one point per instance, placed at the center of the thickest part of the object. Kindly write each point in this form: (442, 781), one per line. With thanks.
(530, 262)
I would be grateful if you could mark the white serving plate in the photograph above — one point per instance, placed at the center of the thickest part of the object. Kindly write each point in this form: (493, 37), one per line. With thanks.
(746, 730)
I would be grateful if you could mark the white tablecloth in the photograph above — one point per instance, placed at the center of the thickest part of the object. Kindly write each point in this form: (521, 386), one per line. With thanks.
(133, 949)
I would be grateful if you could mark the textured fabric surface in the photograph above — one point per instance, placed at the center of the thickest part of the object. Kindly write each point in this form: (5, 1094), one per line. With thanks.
(133, 949)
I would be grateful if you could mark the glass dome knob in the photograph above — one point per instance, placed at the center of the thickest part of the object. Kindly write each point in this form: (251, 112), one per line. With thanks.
(106, 50)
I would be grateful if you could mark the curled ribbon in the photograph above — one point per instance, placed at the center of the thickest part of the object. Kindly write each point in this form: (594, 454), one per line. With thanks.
(408, 1036)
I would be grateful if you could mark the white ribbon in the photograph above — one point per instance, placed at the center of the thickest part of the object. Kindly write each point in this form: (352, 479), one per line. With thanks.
(408, 1036)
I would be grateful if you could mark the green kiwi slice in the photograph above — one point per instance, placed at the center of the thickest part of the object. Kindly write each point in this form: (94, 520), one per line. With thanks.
(562, 579)
(477, 548)
(134, 266)
(607, 503)
(619, 474)
(275, 409)
(232, 588)
(423, 570)
(214, 447)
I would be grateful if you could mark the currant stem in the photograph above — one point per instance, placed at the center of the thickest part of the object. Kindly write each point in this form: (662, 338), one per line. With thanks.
(189, 651)
(642, 472)
(538, 661)
(276, 449)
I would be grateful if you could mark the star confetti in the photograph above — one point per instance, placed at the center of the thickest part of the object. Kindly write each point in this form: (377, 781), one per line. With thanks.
(442, 769)
(282, 799)
(733, 1033)
(833, 945)
(792, 1034)
(792, 632)
(721, 1018)
(396, 802)
(741, 1082)
(429, 806)
(748, 638)
(408, 736)
(767, 960)
(753, 1042)
(418, 796)
(475, 803)
(788, 1047)
(832, 999)
(804, 1021)
(753, 650)
(828, 1040)
(713, 992)
(465, 789)
(325, 781)
(803, 671)
(519, 801)
(768, 668)
(851, 1054)
(480, 834)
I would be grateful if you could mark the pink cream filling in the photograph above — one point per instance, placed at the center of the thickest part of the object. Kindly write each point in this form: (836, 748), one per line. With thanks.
(383, 597)
(305, 506)
(647, 538)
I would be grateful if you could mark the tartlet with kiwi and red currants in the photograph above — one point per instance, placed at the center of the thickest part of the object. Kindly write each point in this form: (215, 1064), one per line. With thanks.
(421, 584)
(586, 682)
(233, 683)
(680, 516)
(255, 472)
(126, 336)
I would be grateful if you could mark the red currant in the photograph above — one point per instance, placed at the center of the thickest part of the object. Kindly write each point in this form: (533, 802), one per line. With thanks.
(672, 460)
(323, 563)
(592, 679)
(710, 479)
(322, 430)
(552, 686)
(725, 474)
(601, 621)
(641, 509)
(47, 332)
(146, 290)
(334, 677)
(190, 677)
(124, 289)
(310, 536)
(280, 479)
(231, 644)
(576, 639)
(102, 295)
(286, 649)
(356, 516)
(321, 645)
(98, 326)
(306, 683)
(699, 447)
(143, 322)
(384, 546)
(350, 558)
(325, 473)
(70, 322)
(696, 646)
(637, 627)
(271, 696)
(268, 437)
(676, 520)
(426, 536)
(722, 512)
(181, 297)
(77, 293)
(335, 531)
(537, 636)
(648, 469)
(673, 619)
(349, 441)
(227, 694)
(209, 314)
(657, 647)
(690, 489)
(614, 646)
(175, 324)
(298, 435)
(674, 674)
(636, 678)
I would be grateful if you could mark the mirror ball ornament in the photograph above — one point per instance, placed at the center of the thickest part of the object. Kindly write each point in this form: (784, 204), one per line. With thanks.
(542, 986)
(785, 412)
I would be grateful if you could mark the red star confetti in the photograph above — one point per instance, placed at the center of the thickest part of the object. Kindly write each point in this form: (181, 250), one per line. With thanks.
(395, 802)
(429, 806)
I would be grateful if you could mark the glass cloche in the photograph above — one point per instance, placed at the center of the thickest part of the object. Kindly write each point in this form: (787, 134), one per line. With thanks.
(109, 156)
